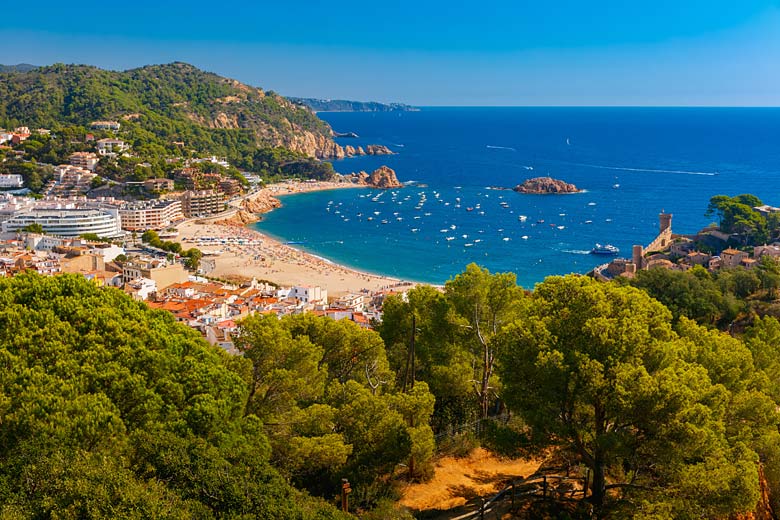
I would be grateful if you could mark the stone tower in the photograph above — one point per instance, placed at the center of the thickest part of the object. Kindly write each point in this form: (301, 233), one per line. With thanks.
(664, 221)
(636, 257)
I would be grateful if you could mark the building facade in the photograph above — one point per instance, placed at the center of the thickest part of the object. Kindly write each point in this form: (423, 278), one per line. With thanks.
(11, 180)
(69, 222)
(86, 160)
(202, 203)
(111, 146)
(105, 125)
(152, 214)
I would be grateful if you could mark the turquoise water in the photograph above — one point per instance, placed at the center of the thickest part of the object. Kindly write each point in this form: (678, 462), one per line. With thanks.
(632, 162)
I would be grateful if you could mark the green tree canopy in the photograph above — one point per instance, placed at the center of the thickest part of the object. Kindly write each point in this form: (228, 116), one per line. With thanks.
(111, 410)
(736, 215)
(326, 394)
(597, 369)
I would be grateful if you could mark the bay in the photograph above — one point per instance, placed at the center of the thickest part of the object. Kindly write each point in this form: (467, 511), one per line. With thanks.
(632, 163)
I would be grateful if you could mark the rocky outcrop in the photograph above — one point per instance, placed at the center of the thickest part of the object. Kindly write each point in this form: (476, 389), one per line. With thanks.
(240, 218)
(383, 178)
(262, 203)
(545, 185)
(378, 149)
(351, 151)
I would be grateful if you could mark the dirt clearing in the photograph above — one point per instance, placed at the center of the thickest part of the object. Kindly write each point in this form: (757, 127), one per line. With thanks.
(456, 481)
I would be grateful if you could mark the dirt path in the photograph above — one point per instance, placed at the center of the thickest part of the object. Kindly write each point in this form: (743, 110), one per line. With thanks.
(456, 482)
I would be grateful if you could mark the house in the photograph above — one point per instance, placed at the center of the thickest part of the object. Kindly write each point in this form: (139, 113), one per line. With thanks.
(111, 147)
(732, 257)
(355, 302)
(697, 258)
(159, 271)
(105, 125)
(773, 251)
(748, 263)
(766, 210)
(681, 246)
(140, 288)
(17, 138)
(714, 263)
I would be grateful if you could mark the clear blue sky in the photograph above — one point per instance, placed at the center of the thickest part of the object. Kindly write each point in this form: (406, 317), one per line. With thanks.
(565, 52)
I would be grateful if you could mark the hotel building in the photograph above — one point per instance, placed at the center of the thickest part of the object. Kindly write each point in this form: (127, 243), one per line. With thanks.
(69, 222)
(151, 214)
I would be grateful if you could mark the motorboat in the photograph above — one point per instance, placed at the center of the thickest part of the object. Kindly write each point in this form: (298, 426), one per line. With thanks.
(606, 249)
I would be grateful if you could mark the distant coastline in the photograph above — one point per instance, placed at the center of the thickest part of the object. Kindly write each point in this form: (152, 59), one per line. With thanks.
(344, 105)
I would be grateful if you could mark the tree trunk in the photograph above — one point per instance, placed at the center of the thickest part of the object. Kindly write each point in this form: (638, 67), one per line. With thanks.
(484, 391)
(599, 483)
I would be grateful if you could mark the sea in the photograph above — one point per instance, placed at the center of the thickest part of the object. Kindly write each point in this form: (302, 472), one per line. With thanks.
(632, 163)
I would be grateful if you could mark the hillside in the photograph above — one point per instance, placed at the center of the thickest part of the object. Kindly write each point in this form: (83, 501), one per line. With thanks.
(165, 104)
(20, 67)
(343, 105)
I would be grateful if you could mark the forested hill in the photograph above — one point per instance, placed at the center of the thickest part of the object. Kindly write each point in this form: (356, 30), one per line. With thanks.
(343, 105)
(20, 67)
(173, 103)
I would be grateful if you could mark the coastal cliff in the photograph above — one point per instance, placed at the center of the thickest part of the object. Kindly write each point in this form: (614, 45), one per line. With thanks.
(545, 186)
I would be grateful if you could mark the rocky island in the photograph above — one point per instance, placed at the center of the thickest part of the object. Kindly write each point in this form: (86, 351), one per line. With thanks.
(383, 178)
(545, 186)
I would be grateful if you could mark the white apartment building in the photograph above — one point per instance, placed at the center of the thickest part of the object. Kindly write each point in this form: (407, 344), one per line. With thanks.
(68, 222)
(111, 146)
(11, 180)
(309, 294)
(153, 214)
(105, 125)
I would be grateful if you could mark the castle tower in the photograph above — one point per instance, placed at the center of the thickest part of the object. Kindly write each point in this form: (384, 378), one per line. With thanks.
(636, 256)
(664, 221)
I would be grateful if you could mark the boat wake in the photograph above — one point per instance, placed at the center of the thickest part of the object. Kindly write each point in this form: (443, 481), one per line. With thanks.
(501, 148)
(651, 170)
(575, 251)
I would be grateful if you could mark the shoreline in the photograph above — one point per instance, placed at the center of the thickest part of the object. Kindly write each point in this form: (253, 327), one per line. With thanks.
(245, 253)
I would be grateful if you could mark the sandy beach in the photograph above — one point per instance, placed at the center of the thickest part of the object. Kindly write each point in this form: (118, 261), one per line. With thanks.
(246, 253)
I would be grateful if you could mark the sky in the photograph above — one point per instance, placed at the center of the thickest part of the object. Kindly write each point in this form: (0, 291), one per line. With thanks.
(427, 53)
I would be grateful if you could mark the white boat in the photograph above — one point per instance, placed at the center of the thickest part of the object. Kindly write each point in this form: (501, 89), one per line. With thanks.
(606, 249)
